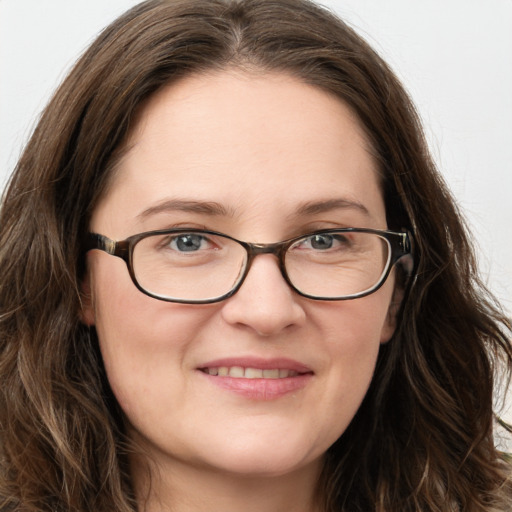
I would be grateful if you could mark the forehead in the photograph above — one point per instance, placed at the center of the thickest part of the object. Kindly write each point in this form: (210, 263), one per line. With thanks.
(266, 107)
(261, 142)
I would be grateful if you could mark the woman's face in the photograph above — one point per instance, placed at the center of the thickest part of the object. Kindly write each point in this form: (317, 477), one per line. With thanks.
(262, 158)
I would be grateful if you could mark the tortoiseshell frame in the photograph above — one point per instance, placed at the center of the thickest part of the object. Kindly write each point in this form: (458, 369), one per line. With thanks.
(399, 242)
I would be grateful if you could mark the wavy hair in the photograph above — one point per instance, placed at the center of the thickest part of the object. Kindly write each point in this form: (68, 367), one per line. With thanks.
(423, 439)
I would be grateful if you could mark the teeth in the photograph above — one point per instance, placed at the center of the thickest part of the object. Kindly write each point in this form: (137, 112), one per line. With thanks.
(223, 371)
(238, 372)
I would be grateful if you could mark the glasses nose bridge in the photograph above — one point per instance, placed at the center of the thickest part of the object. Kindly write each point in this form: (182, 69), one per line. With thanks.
(277, 249)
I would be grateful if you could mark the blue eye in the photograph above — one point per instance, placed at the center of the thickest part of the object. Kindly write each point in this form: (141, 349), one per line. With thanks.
(188, 242)
(324, 242)
(321, 242)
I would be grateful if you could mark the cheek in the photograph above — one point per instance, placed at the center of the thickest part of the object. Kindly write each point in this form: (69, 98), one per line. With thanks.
(351, 341)
(353, 345)
(357, 325)
(143, 341)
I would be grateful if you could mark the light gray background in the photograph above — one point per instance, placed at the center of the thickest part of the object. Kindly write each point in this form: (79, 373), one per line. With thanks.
(454, 56)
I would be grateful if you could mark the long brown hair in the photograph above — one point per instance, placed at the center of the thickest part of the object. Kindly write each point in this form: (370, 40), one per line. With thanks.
(423, 437)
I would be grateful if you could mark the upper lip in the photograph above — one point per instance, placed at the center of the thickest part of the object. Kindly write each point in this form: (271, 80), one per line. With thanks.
(258, 362)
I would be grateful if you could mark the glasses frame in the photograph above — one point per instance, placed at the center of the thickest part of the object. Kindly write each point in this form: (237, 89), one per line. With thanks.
(400, 243)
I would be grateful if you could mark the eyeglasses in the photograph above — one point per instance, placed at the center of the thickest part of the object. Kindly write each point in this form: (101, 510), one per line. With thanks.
(201, 266)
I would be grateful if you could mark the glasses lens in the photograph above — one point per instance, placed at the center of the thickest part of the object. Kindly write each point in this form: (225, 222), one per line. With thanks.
(188, 266)
(337, 264)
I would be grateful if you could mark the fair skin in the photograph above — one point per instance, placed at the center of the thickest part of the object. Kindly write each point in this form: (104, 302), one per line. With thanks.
(262, 146)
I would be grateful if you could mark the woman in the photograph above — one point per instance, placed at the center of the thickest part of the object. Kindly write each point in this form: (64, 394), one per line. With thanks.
(207, 298)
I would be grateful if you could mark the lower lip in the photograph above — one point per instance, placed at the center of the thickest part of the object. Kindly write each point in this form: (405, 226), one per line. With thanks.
(260, 389)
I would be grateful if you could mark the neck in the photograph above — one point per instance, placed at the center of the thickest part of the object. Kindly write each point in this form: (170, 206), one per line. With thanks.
(182, 487)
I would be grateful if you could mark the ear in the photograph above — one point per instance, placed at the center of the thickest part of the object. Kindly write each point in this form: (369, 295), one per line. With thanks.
(390, 324)
(86, 312)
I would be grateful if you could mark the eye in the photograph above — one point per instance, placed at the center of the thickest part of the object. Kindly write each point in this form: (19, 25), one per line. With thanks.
(188, 242)
(323, 242)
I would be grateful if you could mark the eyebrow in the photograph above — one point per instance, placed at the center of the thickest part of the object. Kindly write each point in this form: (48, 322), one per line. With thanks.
(316, 207)
(213, 208)
(186, 205)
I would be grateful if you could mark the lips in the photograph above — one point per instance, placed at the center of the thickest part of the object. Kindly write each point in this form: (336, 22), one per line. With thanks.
(255, 368)
(258, 379)
(239, 372)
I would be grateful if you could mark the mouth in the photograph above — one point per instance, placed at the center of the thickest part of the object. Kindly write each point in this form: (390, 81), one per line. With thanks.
(258, 379)
(239, 372)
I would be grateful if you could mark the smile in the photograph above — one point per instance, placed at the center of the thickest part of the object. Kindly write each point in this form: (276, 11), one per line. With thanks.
(257, 378)
(239, 372)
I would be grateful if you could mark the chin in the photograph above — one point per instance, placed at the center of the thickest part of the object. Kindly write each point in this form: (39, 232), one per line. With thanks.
(257, 458)
(268, 467)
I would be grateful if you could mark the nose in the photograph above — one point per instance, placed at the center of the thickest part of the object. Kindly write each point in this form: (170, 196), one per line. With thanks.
(264, 303)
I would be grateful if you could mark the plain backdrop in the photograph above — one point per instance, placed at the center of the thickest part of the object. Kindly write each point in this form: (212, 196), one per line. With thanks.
(454, 57)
